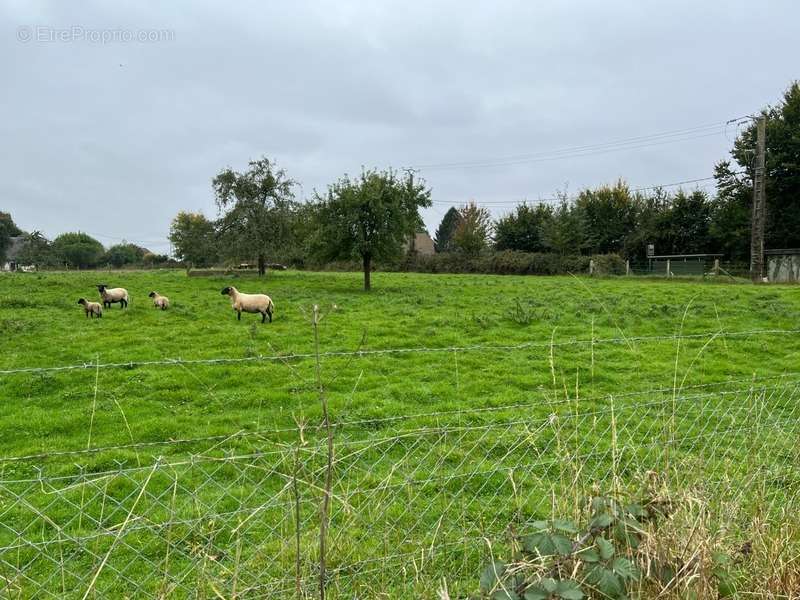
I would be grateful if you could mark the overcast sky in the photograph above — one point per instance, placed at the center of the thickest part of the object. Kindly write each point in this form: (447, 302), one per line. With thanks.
(115, 136)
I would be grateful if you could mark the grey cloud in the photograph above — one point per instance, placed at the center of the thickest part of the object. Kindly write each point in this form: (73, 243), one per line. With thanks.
(327, 87)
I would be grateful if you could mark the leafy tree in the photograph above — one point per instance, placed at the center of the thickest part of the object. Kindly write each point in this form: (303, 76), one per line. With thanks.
(123, 254)
(151, 259)
(194, 239)
(566, 232)
(37, 250)
(474, 228)
(729, 229)
(443, 239)
(782, 173)
(688, 222)
(8, 229)
(78, 250)
(371, 217)
(610, 215)
(258, 204)
(522, 229)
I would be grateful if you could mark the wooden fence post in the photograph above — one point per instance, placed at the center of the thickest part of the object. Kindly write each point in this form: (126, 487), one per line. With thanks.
(669, 270)
(627, 267)
(716, 266)
(591, 266)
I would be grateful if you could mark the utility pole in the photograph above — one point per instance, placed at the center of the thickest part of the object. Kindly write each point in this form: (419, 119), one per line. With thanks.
(759, 203)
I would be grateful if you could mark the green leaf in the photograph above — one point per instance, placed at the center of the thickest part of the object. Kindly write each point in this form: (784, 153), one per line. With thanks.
(548, 584)
(605, 548)
(491, 575)
(505, 595)
(726, 587)
(536, 593)
(564, 526)
(625, 568)
(539, 526)
(589, 555)
(720, 559)
(636, 510)
(625, 535)
(604, 580)
(562, 544)
(601, 521)
(539, 543)
(569, 590)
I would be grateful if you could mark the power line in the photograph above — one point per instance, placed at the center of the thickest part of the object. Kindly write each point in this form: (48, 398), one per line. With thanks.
(586, 150)
(551, 200)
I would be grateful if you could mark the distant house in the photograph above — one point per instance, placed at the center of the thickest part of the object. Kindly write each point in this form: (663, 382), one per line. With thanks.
(421, 243)
(12, 255)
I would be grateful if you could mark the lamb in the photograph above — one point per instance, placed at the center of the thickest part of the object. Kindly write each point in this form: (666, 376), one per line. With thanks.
(159, 301)
(113, 295)
(91, 309)
(250, 303)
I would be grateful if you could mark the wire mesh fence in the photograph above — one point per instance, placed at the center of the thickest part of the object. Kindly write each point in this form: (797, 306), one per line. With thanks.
(414, 497)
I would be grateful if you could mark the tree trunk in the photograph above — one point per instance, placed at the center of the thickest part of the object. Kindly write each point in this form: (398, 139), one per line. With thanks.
(262, 264)
(367, 268)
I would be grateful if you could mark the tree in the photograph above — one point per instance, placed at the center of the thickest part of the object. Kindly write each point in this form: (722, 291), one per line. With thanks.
(729, 229)
(610, 215)
(474, 229)
(566, 232)
(151, 259)
(37, 250)
(123, 254)
(688, 222)
(371, 217)
(443, 239)
(522, 229)
(651, 215)
(8, 229)
(782, 172)
(194, 239)
(258, 204)
(78, 250)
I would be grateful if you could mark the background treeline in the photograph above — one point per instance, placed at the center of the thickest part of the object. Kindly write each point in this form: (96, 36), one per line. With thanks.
(545, 237)
(73, 250)
(368, 221)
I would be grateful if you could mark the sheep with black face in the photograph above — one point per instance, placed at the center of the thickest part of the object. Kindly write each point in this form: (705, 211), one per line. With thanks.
(92, 309)
(159, 301)
(113, 295)
(250, 303)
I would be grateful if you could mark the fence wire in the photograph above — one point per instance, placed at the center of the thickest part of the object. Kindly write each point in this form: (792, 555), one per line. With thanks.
(414, 497)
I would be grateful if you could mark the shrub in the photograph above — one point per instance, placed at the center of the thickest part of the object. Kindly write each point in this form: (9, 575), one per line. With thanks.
(609, 264)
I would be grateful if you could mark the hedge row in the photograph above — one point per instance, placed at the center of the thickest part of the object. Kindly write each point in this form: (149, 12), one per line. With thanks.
(515, 263)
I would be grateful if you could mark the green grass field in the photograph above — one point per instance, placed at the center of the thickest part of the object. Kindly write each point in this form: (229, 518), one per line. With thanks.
(146, 477)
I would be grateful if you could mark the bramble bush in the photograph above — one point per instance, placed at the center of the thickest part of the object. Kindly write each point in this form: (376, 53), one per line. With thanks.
(603, 556)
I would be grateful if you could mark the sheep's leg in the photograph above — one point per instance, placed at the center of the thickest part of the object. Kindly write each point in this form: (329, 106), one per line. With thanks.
(269, 312)
(264, 317)
(238, 315)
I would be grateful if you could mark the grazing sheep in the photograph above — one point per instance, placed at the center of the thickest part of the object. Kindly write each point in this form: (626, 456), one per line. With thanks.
(250, 303)
(91, 308)
(113, 295)
(159, 301)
